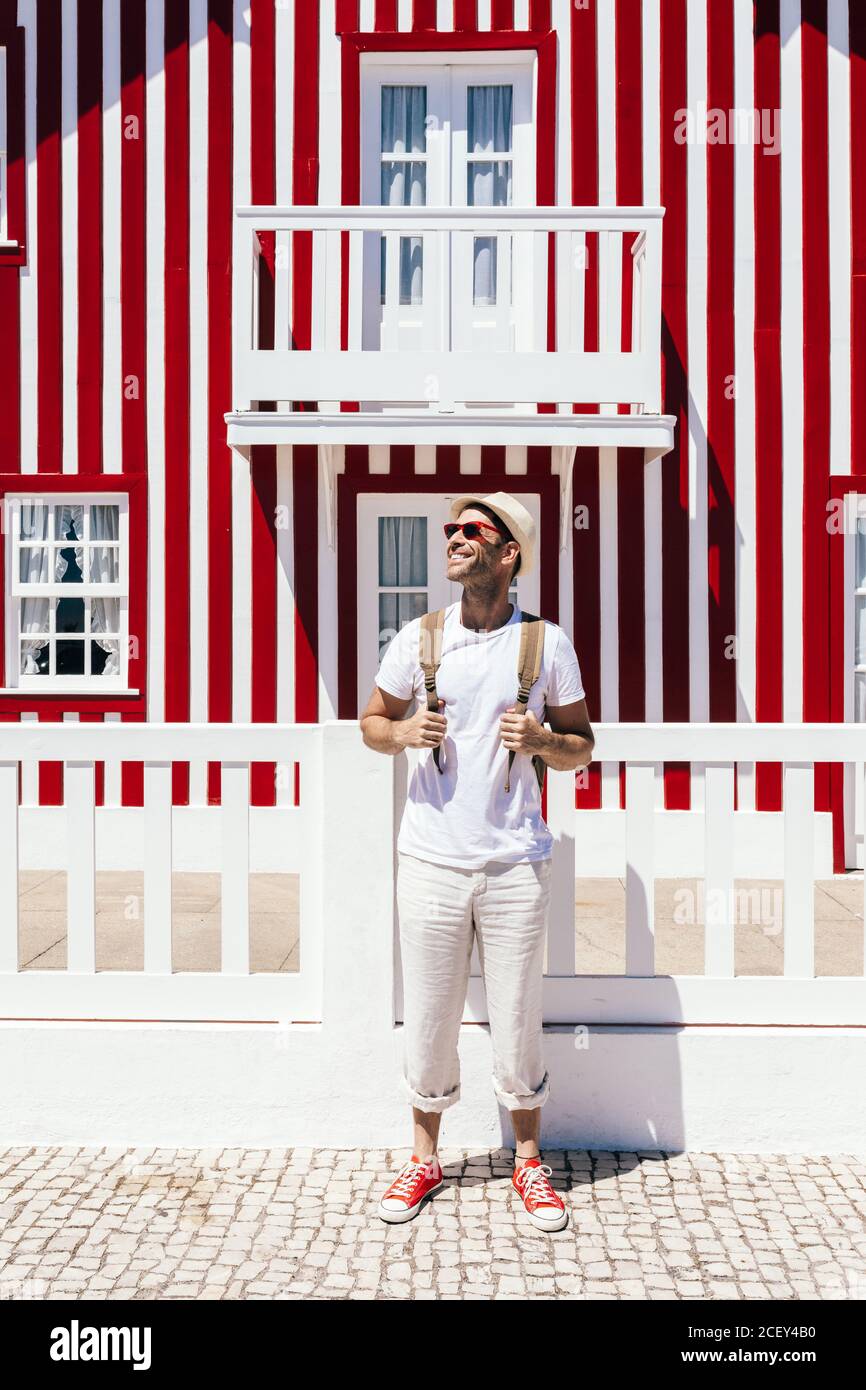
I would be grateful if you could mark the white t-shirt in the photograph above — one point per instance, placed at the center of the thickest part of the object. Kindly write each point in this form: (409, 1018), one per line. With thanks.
(463, 816)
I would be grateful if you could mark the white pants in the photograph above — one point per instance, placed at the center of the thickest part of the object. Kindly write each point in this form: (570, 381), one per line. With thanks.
(440, 911)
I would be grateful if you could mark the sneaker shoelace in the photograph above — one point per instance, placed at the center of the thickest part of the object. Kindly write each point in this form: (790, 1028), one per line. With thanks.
(408, 1177)
(535, 1186)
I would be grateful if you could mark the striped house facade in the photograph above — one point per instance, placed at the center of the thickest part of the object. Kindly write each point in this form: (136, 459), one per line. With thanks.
(714, 582)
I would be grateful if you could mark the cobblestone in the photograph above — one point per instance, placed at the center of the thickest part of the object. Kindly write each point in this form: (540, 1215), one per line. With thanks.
(301, 1223)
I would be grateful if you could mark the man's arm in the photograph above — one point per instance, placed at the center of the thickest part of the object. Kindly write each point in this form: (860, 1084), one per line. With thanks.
(566, 745)
(386, 729)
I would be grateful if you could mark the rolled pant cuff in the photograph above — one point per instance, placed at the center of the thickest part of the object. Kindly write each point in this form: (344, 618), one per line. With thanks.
(431, 1104)
(532, 1101)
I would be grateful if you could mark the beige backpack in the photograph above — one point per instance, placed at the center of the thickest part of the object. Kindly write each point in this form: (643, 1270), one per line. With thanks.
(528, 668)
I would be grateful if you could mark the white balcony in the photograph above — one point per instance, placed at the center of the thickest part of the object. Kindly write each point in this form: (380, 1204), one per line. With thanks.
(443, 325)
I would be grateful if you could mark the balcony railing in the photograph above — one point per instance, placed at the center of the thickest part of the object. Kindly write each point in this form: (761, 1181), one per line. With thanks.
(448, 309)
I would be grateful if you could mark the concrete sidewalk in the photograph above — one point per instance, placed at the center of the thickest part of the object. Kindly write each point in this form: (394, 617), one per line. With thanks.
(293, 1224)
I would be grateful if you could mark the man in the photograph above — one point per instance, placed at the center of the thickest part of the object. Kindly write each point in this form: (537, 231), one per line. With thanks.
(473, 856)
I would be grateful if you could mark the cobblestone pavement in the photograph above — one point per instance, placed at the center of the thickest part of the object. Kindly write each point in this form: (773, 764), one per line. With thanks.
(301, 1223)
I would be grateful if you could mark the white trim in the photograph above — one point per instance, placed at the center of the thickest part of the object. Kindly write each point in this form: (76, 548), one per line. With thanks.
(654, 433)
(839, 225)
(241, 481)
(285, 582)
(792, 360)
(29, 287)
(651, 119)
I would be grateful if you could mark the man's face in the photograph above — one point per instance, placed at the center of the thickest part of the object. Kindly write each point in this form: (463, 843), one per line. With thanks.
(468, 559)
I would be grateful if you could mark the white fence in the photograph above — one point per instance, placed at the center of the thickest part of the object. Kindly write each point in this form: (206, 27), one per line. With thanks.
(393, 314)
(349, 804)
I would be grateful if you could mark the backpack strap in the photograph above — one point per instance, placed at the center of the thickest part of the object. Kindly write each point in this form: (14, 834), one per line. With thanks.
(528, 670)
(429, 659)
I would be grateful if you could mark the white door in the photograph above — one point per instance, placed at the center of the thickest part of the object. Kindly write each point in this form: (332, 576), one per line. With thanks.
(401, 569)
(458, 135)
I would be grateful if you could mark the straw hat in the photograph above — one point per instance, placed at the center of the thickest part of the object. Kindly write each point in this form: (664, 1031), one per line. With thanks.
(513, 514)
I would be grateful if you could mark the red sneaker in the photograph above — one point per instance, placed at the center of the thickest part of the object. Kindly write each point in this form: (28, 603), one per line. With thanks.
(544, 1207)
(416, 1180)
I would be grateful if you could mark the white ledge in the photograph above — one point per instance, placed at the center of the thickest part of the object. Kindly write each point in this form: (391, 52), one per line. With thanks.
(654, 433)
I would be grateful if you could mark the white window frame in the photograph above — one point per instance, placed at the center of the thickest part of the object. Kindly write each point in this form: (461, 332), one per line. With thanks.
(439, 322)
(855, 810)
(16, 591)
(441, 592)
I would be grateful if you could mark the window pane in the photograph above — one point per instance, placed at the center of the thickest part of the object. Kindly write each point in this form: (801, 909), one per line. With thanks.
(35, 564)
(404, 184)
(489, 119)
(860, 698)
(484, 270)
(860, 554)
(104, 564)
(69, 523)
(104, 522)
(34, 521)
(860, 631)
(403, 551)
(34, 658)
(488, 183)
(404, 120)
(395, 610)
(70, 657)
(70, 615)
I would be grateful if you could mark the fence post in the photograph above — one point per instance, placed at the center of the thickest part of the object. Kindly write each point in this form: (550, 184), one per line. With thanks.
(356, 817)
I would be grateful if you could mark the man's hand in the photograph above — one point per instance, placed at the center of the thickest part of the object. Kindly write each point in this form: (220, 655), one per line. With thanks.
(522, 733)
(424, 730)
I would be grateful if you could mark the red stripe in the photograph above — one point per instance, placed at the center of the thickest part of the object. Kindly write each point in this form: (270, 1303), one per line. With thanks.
(816, 376)
(133, 175)
(305, 523)
(857, 34)
(721, 525)
(584, 158)
(347, 20)
(423, 15)
(48, 232)
(768, 405)
(539, 14)
(502, 14)
(465, 16)
(10, 287)
(675, 472)
(89, 238)
(177, 366)
(219, 179)
(385, 16)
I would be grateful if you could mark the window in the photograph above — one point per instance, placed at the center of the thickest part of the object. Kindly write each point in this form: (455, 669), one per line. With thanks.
(68, 586)
(402, 573)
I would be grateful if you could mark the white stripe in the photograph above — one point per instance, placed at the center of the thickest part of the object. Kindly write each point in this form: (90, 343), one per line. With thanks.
(330, 132)
(380, 458)
(425, 458)
(285, 610)
(69, 224)
(650, 120)
(444, 15)
(155, 153)
(485, 16)
(112, 369)
(516, 458)
(28, 272)
(367, 16)
(470, 458)
(697, 373)
(241, 483)
(745, 540)
(792, 361)
(112, 784)
(839, 153)
(198, 393)
(29, 768)
(561, 21)
(521, 14)
(404, 15)
(609, 613)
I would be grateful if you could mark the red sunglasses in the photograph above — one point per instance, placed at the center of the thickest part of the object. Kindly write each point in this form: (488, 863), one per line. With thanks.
(471, 529)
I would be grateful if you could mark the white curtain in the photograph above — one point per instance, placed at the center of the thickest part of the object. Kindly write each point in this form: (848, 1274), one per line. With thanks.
(489, 126)
(404, 181)
(403, 563)
(35, 566)
(104, 567)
